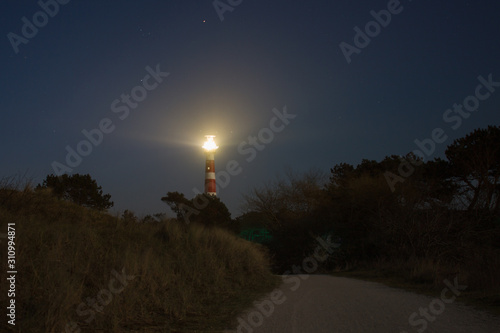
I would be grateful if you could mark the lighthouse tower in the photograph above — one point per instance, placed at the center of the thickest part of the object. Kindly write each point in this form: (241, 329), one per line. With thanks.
(210, 148)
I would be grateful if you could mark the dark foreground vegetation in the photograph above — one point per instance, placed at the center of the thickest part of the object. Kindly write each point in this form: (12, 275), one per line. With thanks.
(83, 270)
(418, 221)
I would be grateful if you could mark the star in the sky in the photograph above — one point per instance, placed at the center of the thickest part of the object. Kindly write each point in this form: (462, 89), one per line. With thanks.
(143, 33)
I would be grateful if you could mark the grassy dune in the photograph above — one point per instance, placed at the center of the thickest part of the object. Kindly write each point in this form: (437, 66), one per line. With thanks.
(161, 277)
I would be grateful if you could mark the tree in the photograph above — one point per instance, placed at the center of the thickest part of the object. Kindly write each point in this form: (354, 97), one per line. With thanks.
(213, 212)
(287, 201)
(475, 165)
(359, 196)
(412, 181)
(294, 209)
(372, 218)
(205, 209)
(155, 218)
(177, 202)
(80, 189)
(129, 216)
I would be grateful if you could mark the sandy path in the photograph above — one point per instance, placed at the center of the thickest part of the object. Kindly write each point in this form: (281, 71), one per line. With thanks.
(321, 303)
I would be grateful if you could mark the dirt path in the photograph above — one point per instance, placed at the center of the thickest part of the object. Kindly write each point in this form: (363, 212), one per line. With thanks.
(320, 303)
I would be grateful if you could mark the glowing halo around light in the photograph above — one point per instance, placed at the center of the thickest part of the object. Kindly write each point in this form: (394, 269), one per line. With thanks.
(210, 145)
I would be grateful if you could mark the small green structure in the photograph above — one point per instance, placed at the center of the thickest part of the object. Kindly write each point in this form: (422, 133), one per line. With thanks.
(257, 235)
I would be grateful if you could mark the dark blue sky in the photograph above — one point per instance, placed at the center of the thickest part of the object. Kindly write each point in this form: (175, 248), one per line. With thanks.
(225, 78)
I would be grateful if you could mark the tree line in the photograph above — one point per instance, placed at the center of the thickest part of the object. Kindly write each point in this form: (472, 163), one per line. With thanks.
(401, 209)
(445, 211)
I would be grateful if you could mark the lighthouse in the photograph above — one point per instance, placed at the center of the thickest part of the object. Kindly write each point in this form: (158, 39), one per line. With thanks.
(210, 148)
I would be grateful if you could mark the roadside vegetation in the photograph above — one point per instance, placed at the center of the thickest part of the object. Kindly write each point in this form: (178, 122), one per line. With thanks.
(83, 270)
(402, 219)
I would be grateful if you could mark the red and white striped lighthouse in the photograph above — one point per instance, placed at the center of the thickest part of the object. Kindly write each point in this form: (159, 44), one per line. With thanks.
(210, 148)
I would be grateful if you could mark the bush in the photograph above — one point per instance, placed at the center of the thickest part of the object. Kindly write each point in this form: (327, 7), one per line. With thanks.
(184, 277)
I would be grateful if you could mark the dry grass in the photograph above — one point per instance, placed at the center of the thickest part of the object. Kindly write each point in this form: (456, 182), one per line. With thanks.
(185, 278)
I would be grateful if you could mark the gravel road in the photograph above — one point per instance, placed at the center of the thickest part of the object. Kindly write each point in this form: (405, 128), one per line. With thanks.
(321, 303)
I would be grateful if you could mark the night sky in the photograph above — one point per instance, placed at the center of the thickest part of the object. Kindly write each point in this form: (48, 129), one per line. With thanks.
(225, 77)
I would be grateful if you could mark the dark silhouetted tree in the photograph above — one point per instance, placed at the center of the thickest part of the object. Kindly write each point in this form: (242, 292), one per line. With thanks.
(129, 216)
(80, 189)
(294, 209)
(205, 209)
(177, 202)
(475, 166)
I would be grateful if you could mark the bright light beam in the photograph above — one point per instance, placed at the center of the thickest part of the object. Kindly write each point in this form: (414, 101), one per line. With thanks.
(210, 145)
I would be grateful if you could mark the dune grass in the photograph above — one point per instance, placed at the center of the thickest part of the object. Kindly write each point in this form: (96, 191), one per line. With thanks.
(174, 277)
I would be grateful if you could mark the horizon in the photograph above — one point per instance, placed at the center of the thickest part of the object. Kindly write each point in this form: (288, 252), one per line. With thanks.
(129, 90)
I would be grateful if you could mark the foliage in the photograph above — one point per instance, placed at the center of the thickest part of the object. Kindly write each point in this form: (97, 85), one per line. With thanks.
(80, 189)
(475, 164)
(288, 200)
(293, 209)
(176, 201)
(400, 209)
(183, 279)
(129, 217)
(204, 209)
